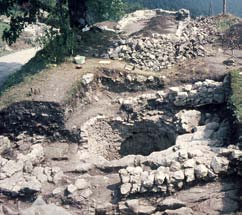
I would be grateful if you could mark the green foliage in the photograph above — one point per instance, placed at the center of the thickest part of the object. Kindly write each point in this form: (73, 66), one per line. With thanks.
(58, 46)
(224, 24)
(59, 40)
(21, 13)
(236, 97)
(133, 6)
(3, 26)
(102, 10)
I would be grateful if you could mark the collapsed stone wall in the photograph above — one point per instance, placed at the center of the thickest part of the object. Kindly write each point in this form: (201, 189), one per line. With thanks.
(163, 51)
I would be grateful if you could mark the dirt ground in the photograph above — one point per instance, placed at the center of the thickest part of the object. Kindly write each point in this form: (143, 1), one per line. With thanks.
(159, 24)
(55, 84)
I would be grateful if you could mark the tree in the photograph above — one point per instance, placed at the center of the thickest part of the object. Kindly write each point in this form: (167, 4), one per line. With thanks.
(24, 12)
(77, 13)
(224, 7)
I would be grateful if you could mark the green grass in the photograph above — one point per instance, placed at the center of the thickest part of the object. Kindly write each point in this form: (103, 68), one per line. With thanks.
(225, 22)
(224, 25)
(236, 97)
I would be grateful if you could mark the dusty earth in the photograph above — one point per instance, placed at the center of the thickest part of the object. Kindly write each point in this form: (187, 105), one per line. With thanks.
(105, 139)
(12, 62)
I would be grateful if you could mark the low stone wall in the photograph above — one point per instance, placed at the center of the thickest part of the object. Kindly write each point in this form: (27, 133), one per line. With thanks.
(193, 159)
(186, 96)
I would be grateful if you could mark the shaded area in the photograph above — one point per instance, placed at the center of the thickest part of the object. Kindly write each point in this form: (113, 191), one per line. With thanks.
(95, 42)
(233, 37)
(119, 81)
(146, 137)
(143, 137)
(35, 65)
(41, 118)
(7, 69)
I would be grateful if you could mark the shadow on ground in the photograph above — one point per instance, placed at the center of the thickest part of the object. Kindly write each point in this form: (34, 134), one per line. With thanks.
(35, 118)
(35, 65)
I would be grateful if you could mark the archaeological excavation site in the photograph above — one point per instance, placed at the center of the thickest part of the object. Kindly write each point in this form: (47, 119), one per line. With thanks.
(146, 127)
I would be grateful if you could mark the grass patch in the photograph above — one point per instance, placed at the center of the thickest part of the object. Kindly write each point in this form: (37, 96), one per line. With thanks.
(225, 22)
(236, 97)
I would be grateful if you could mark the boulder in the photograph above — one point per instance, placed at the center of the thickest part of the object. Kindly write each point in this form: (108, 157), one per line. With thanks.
(125, 188)
(201, 171)
(40, 207)
(71, 188)
(189, 119)
(5, 144)
(170, 204)
(219, 165)
(81, 184)
(183, 14)
(180, 211)
(136, 206)
(87, 78)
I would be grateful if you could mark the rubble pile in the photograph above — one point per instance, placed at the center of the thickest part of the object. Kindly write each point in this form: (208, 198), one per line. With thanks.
(161, 51)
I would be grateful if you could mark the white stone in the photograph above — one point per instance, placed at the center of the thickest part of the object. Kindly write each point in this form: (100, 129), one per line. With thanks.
(219, 164)
(81, 184)
(71, 188)
(201, 171)
(87, 78)
(125, 188)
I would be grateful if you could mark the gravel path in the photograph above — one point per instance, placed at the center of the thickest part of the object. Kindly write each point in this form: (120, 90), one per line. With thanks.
(13, 62)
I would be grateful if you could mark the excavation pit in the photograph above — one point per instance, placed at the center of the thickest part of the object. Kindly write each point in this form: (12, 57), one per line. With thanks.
(116, 139)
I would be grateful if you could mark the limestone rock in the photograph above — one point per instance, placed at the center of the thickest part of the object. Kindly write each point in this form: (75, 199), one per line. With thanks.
(81, 184)
(189, 119)
(180, 211)
(71, 188)
(201, 171)
(44, 209)
(170, 204)
(189, 175)
(87, 78)
(138, 207)
(125, 188)
(219, 165)
(5, 144)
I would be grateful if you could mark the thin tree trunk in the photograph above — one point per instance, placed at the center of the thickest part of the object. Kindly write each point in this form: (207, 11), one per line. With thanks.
(77, 11)
(224, 7)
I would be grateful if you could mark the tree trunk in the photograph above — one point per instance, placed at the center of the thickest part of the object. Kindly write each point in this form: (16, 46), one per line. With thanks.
(224, 7)
(77, 12)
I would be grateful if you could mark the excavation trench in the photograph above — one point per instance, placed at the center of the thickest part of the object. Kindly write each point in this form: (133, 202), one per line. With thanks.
(116, 139)
(141, 118)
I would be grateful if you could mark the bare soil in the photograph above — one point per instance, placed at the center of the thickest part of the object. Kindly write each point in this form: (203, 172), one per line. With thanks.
(159, 24)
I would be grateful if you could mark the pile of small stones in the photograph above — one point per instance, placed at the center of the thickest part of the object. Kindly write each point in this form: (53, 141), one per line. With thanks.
(164, 51)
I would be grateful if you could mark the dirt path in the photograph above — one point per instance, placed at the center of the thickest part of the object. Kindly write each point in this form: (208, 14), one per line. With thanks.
(12, 62)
